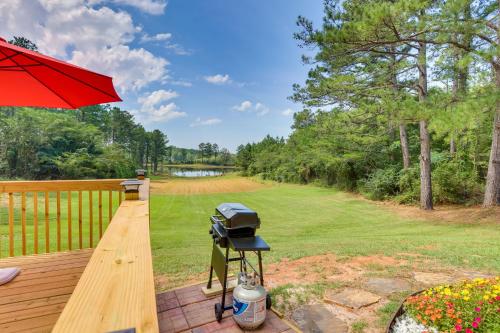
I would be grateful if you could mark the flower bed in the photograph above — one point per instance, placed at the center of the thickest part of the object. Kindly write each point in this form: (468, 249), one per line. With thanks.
(471, 306)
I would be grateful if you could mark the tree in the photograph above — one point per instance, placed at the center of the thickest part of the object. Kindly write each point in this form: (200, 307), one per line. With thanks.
(158, 148)
(24, 42)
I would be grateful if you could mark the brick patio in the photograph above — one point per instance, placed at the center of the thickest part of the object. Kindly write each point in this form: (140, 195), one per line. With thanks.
(188, 310)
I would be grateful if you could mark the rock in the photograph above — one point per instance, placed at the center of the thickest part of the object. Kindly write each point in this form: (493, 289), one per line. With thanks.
(472, 275)
(318, 319)
(432, 278)
(386, 286)
(351, 298)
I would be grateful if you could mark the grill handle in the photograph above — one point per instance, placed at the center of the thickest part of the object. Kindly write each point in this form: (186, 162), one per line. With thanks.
(215, 219)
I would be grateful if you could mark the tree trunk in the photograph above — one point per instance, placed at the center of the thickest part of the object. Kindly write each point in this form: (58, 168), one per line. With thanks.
(453, 146)
(425, 142)
(403, 138)
(492, 190)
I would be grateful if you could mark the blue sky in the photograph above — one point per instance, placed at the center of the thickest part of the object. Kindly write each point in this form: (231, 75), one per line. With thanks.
(217, 71)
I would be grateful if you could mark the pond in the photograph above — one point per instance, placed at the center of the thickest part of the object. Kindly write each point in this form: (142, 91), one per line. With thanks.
(191, 172)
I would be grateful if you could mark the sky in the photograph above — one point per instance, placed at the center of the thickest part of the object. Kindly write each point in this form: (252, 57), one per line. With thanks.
(201, 71)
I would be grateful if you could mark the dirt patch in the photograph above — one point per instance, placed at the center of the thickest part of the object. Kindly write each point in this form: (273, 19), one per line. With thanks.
(206, 186)
(447, 213)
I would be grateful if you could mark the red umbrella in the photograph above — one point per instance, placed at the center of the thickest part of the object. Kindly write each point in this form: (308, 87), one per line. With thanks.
(28, 78)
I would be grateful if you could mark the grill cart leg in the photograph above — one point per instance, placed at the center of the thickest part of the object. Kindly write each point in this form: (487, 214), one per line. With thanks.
(220, 307)
(209, 284)
(261, 274)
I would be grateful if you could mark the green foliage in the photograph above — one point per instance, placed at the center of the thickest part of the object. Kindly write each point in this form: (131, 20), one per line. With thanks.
(92, 142)
(382, 184)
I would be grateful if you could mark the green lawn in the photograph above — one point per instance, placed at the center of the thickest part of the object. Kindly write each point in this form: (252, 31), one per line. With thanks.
(306, 220)
(30, 236)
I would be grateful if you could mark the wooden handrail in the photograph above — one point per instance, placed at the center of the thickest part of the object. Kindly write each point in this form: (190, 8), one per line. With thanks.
(60, 185)
(116, 290)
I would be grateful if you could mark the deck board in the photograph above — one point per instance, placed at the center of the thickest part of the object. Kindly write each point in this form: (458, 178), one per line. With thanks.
(34, 300)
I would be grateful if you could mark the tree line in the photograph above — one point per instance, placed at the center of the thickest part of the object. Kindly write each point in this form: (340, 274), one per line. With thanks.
(92, 142)
(402, 100)
(207, 153)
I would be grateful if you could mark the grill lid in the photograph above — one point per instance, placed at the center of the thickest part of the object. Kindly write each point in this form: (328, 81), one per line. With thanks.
(238, 215)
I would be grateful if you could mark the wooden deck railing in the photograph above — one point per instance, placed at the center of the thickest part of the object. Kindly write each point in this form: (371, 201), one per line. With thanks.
(48, 216)
(116, 290)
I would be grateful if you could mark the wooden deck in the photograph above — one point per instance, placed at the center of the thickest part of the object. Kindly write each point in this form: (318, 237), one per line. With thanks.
(33, 301)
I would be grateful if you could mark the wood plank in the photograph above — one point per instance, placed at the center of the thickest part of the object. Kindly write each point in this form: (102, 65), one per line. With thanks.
(23, 223)
(80, 240)
(45, 257)
(47, 230)
(32, 313)
(51, 264)
(36, 294)
(70, 236)
(65, 274)
(100, 214)
(30, 325)
(38, 286)
(35, 222)
(91, 220)
(120, 199)
(110, 206)
(33, 303)
(116, 290)
(58, 212)
(11, 224)
(60, 185)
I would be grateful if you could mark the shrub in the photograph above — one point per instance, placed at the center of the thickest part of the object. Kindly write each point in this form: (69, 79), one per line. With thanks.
(454, 182)
(382, 184)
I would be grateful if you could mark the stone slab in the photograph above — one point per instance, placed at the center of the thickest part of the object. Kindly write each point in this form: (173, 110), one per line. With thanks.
(217, 288)
(432, 278)
(318, 319)
(387, 286)
(351, 298)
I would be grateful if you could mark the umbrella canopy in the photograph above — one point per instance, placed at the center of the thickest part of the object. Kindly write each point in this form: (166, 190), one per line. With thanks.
(28, 78)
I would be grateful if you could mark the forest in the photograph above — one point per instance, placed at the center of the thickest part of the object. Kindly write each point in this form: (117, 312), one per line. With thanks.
(92, 142)
(401, 101)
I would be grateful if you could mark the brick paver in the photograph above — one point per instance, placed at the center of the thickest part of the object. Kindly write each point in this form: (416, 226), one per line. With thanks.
(188, 310)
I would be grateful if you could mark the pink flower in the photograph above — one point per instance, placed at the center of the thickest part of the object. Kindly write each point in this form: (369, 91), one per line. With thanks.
(477, 309)
(497, 298)
(478, 319)
(458, 328)
(475, 324)
(468, 330)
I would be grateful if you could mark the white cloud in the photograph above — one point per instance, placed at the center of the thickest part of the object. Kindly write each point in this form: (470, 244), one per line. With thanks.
(95, 37)
(287, 112)
(182, 83)
(258, 108)
(218, 79)
(131, 69)
(206, 122)
(245, 105)
(261, 109)
(153, 108)
(153, 7)
(156, 38)
(157, 97)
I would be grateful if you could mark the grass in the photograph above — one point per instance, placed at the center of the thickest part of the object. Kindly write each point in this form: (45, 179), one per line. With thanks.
(300, 221)
(359, 326)
(30, 234)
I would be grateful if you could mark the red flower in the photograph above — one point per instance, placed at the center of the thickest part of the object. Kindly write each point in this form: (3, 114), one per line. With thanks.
(458, 328)
(478, 319)
(477, 309)
(475, 324)
(468, 330)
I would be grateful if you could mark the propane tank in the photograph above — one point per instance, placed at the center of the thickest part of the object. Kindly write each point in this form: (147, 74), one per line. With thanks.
(249, 303)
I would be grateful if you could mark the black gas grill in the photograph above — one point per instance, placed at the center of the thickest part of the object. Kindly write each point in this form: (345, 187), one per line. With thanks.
(233, 220)
(233, 228)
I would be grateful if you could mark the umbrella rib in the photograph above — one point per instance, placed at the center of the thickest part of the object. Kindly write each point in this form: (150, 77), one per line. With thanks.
(74, 78)
(55, 93)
